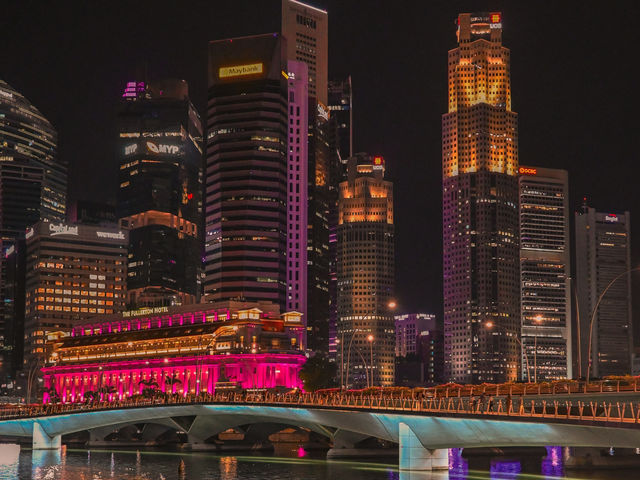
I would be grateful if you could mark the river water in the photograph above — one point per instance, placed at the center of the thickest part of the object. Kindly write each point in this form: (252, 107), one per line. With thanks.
(73, 464)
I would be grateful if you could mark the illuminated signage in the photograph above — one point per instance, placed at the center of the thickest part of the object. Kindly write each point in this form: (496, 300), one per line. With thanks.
(62, 229)
(528, 171)
(9, 251)
(612, 217)
(162, 148)
(378, 163)
(112, 235)
(323, 112)
(495, 20)
(6, 94)
(145, 311)
(130, 149)
(29, 233)
(240, 70)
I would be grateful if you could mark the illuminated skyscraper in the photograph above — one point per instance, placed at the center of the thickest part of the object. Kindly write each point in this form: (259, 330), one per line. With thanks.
(246, 170)
(603, 259)
(297, 174)
(33, 186)
(306, 29)
(160, 200)
(545, 270)
(480, 208)
(365, 274)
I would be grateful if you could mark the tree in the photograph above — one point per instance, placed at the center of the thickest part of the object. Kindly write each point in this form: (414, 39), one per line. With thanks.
(317, 373)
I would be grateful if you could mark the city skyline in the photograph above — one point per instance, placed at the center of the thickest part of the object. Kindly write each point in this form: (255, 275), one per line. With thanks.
(412, 147)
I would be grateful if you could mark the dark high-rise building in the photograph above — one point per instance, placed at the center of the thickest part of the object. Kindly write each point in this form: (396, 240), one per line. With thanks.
(366, 274)
(246, 170)
(545, 271)
(341, 148)
(160, 199)
(418, 350)
(33, 186)
(341, 109)
(481, 264)
(603, 264)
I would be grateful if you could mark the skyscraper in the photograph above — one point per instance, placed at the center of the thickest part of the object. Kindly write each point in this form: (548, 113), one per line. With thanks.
(365, 274)
(73, 272)
(603, 261)
(341, 108)
(545, 271)
(480, 208)
(306, 29)
(297, 164)
(160, 200)
(246, 170)
(33, 186)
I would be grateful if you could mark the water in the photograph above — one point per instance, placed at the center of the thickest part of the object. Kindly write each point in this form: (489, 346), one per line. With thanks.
(71, 464)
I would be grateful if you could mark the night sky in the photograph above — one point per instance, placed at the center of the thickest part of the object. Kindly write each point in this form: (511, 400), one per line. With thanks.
(574, 77)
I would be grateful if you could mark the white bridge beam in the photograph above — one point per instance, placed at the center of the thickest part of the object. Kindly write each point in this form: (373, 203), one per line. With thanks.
(43, 441)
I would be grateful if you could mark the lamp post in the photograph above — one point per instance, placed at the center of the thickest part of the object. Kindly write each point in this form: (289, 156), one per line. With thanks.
(370, 340)
(595, 310)
(391, 305)
(490, 325)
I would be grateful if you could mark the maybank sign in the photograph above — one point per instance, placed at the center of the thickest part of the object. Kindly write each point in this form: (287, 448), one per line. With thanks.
(240, 70)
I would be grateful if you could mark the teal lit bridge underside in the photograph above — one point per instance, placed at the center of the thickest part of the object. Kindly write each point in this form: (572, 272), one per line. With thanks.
(202, 421)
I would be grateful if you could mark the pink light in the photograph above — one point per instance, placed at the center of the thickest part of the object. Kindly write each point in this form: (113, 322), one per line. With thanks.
(301, 452)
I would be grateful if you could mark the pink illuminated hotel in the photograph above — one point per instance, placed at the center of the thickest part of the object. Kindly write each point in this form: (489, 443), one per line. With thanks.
(177, 350)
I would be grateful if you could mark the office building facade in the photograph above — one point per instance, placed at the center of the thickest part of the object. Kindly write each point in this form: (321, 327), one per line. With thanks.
(365, 274)
(603, 261)
(246, 170)
(159, 198)
(73, 272)
(408, 328)
(306, 29)
(480, 208)
(545, 272)
(33, 186)
(297, 164)
(419, 350)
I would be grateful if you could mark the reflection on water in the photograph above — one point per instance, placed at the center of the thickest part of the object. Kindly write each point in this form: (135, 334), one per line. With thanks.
(69, 464)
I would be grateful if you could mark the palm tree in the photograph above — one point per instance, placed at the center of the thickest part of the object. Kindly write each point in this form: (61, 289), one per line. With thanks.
(54, 397)
(151, 385)
(171, 381)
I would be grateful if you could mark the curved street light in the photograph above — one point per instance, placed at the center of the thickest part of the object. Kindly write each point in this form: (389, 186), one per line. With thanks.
(595, 310)
(391, 305)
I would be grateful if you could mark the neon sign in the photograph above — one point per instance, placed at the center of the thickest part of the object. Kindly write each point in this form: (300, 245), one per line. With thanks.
(62, 229)
(161, 148)
(612, 217)
(144, 311)
(130, 149)
(527, 171)
(240, 70)
(378, 162)
(113, 235)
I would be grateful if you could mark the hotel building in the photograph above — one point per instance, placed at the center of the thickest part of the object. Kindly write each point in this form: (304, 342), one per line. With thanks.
(160, 199)
(365, 274)
(73, 271)
(178, 350)
(246, 170)
(603, 264)
(481, 264)
(545, 271)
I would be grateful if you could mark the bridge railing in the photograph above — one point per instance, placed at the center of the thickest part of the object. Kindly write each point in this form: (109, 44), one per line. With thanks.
(471, 406)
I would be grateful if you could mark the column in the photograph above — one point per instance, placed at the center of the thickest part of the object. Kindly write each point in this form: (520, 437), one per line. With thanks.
(414, 456)
(43, 441)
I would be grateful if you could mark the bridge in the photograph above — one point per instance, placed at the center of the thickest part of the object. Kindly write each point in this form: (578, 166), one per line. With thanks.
(424, 427)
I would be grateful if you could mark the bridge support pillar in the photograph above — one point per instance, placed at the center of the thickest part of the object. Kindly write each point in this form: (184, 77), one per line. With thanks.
(415, 457)
(43, 441)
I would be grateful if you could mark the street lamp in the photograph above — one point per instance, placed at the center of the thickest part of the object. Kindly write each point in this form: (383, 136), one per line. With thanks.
(370, 340)
(595, 310)
(391, 305)
(490, 325)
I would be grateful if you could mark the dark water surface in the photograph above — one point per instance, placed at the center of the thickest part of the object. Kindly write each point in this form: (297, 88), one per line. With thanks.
(71, 464)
